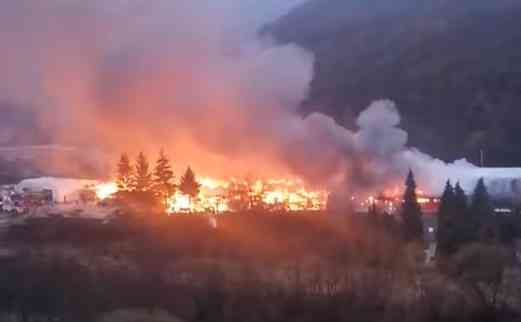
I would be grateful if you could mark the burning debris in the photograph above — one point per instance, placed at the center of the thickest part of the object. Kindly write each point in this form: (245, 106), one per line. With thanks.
(218, 196)
(199, 194)
(390, 201)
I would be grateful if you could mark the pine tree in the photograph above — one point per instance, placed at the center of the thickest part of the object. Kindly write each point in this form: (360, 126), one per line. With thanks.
(125, 173)
(481, 205)
(480, 210)
(189, 185)
(445, 232)
(163, 178)
(412, 222)
(460, 200)
(142, 178)
(462, 228)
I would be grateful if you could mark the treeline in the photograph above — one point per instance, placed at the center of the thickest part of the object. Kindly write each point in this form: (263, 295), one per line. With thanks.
(138, 182)
(462, 221)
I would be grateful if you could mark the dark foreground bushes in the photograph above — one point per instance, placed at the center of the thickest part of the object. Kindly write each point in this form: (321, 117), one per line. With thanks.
(253, 267)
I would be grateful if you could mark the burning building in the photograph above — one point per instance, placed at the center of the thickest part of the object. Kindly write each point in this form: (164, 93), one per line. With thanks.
(391, 203)
(284, 195)
(234, 195)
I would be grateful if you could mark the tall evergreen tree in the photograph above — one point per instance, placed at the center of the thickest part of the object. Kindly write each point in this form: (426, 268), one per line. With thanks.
(189, 185)
(412, 223)
(163, 178)
(481, 211)
(125, 173)
(463, 231)
(445, 232)
(460, 199)
(481, 204)
(143, 177)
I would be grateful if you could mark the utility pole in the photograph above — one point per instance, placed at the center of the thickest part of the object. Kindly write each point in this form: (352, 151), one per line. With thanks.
(482, 158)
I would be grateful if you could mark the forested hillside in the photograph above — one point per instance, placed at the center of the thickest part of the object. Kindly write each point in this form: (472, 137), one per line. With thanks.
(453, 68)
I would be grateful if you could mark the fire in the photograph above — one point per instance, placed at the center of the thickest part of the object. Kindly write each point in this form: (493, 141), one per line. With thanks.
(290, 194)
(391, 199)
(105, 190)
(220, 196)
(210, 198)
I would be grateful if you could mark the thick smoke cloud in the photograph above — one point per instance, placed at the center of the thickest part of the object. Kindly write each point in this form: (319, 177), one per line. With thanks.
(379, 131)
(130, 75)
(91, 79)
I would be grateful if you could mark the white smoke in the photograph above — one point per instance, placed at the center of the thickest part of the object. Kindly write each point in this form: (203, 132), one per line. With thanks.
(433, 173)
(381, 137)
(386, 157)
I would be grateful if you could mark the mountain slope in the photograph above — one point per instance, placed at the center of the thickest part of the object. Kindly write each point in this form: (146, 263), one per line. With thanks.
(453, 67)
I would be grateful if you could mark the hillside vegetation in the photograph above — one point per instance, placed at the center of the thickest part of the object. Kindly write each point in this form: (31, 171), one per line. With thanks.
(453, 68)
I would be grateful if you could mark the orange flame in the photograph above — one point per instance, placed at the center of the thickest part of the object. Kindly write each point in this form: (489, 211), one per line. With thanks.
(219, 196)
(105, 190)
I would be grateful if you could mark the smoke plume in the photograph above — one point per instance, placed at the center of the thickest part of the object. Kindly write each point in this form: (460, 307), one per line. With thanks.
(96, 78)
(114, 76)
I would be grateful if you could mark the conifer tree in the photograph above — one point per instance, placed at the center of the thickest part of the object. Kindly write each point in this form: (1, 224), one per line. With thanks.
(460, 206)
(445, 232)
(412, 223)
(143, 177)
(481, 205)
(189, 185)
(480, 210)
(460, 199)
(163, 178)
(463, 231)
(125, 174)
